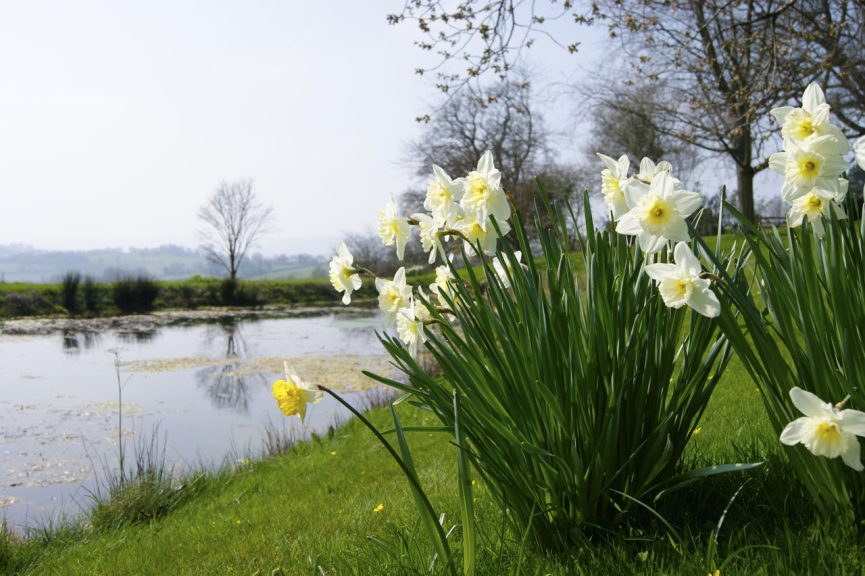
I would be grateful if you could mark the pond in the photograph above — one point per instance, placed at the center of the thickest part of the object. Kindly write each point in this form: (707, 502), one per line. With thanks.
(202, 391)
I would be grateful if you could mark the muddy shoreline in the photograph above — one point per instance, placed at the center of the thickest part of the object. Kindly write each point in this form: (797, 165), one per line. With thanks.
(148, 322)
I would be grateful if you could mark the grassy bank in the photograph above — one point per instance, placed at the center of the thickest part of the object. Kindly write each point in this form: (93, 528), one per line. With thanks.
(313, 510)
(25, 299)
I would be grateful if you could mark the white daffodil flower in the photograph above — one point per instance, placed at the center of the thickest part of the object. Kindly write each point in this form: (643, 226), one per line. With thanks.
(293, 394)
(800, 126)
(648, 170)
(473, 230)
(421, 312)
(343, 276)
(482, 192)
(859, 151)
(614, 178)
(825, 430)
(812, 165)
(680, 283)
(410, 328)
(442, 196)
(429, 228)
(504, 269)
(658, 213)
(442, 285)
(393, 229)
(393, 294)
(815, 205)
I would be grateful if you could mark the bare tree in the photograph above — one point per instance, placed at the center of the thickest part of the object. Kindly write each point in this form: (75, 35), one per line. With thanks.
(630, 124)
(234, 219)
(503, 120)
(725, 64)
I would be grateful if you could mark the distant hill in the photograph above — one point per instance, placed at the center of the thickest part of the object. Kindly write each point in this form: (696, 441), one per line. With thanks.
(170, 262)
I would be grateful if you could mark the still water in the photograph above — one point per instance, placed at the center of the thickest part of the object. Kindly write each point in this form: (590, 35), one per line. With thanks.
(202, 390)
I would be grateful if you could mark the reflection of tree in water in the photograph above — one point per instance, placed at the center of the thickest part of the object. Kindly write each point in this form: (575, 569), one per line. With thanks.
(227, 385)
(137, 336)
(74, 342)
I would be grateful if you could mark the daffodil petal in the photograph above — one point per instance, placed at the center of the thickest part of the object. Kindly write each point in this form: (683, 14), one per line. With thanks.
(629, 224)
(807, 403)
(688, 202)
(660, 271)
(851, 456)
(705, 302)
(781, 113)
(792, 432)
(853, 421)
(813, 97)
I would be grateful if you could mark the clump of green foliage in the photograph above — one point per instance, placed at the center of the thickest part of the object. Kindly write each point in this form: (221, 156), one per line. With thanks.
(69, 291)
(135, 294)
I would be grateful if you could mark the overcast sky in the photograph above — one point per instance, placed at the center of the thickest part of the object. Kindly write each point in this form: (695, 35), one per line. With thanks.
(118, 118)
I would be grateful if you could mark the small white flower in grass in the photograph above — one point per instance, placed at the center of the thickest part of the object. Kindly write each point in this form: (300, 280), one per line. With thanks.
(680, 283)
(614, 178)
(474, 231)
(410, 328)
(393, 294)
(343, 276)
(503, 267)
(859, 151)
(658, 213)
(800, 126)
(442, 196)
(443, 281)
(825, 430)
(429, 238)
(482, 192)
(393, 229)
(815, 205)
(812, 165)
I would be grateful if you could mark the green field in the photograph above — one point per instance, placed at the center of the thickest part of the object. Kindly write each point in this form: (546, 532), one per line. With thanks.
(311, 510)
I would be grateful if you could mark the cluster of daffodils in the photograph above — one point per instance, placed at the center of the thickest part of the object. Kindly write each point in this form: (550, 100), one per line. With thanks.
(474, 209)
(652, 205)
(812, 161)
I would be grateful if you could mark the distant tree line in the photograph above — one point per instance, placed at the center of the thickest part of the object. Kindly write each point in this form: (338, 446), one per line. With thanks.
(168, 262)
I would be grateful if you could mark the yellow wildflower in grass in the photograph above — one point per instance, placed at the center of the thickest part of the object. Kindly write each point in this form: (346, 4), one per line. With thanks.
(293, 394)
(697, 431)
(378, 508)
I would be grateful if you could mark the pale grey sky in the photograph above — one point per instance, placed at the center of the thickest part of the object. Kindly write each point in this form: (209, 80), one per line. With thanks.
(118, 118)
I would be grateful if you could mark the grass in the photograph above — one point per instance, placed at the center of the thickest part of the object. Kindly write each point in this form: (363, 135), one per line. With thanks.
(311, 510)
(25, 299)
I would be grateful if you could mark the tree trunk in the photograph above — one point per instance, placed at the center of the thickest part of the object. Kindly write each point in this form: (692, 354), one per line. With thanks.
(745, 177)
(744, 156)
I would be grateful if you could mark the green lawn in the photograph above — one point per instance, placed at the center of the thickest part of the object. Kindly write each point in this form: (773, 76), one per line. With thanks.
(312, 511)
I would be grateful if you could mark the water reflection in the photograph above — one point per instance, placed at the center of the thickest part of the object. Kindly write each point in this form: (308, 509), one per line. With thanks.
(74, 342)
(228, 385)
(138, 336)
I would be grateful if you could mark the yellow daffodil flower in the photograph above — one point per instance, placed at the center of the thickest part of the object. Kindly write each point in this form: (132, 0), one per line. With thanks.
(293, 394)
